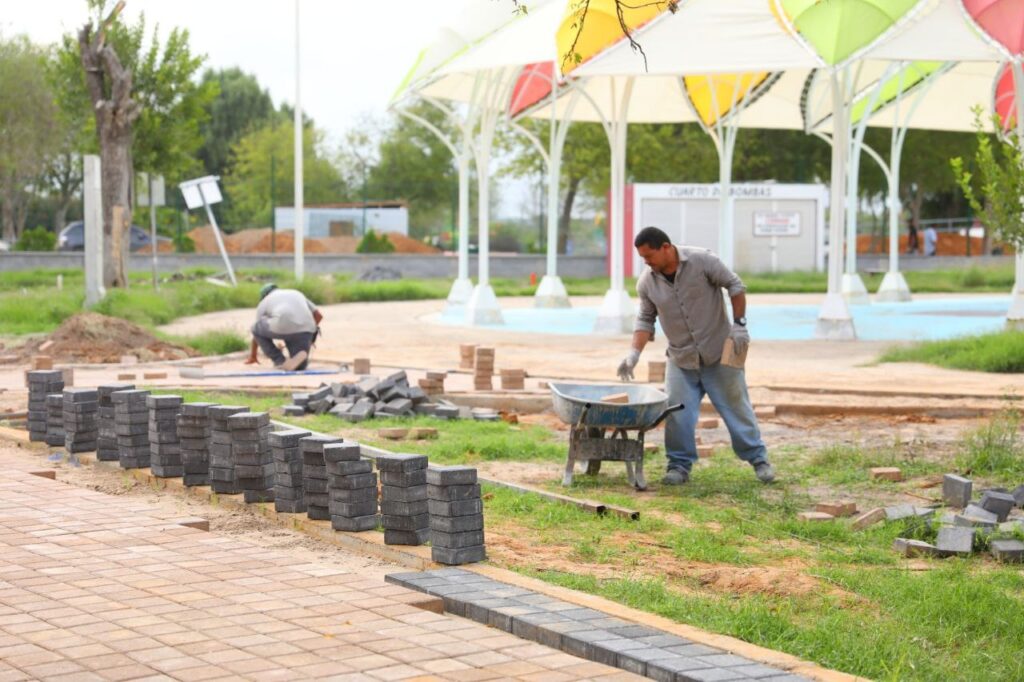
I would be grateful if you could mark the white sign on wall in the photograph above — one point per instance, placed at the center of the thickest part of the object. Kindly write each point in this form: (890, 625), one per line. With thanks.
(776, 223)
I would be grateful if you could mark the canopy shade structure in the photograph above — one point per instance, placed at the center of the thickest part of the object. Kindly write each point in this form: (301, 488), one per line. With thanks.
(589, 28)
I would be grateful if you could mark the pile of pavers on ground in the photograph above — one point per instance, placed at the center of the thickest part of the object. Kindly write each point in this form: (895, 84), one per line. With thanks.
(238, 452)
(371, 397)
(995, 520)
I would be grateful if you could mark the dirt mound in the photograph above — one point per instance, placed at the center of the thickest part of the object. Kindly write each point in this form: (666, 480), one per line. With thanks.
(95, 338)
(263, 240)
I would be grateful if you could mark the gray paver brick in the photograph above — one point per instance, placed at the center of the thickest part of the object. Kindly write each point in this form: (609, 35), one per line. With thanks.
(956, 490)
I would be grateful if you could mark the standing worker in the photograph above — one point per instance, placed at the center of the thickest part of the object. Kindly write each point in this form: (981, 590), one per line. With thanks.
(285, 315)
(683, 288)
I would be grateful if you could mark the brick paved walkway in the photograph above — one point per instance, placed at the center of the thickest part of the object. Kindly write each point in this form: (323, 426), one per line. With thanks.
(94, 587)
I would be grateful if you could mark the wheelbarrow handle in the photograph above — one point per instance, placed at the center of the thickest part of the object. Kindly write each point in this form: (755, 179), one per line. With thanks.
(668, 410)
(583, 414)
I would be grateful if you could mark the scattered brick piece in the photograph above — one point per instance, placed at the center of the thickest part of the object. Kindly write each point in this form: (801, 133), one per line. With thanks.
(126, 377)
(45, 346)
(154, 375)
(913, 548)
(617, 398)
(764, 411)
(869, 518)
(1008, 551)
(651, 447)
(395, 433)
(814, 516)
(954, 540)
(423, 433)
(705, 450)
(42, 362)
(999, 504)
(886, 474)
(707, 423)
(129, 360)
(837, 507)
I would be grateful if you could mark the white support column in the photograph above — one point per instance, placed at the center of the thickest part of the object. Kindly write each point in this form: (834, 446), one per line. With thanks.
(834, 320)
(726, 203)
(617, 312)
(92, 198)
(894, 288)
(1015, 314)
(300, 221)
(462, 287)
(552, 293)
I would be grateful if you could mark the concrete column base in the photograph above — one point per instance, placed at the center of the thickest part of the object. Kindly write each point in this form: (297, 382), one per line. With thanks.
(483, 308)
(834, 320)
(854, 290)
(460, 293)
(617, 313)
(893, 289)
(1015, 315)
(551, 293)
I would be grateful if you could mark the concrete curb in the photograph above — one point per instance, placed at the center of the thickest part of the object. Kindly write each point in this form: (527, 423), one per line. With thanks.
(418, 558)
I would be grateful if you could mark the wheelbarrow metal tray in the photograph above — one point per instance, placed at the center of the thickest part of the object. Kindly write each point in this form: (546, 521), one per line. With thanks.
(644, 407)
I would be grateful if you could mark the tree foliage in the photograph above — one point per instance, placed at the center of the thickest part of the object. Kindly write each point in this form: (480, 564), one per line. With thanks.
(248, 180)
(240, 107)
(997, 192)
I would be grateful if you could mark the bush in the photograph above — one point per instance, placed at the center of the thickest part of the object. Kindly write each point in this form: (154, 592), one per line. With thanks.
(36, 239)
(375, 243)
(184, 244)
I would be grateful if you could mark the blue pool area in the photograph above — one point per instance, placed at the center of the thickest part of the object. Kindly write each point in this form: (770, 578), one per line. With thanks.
(919, 320)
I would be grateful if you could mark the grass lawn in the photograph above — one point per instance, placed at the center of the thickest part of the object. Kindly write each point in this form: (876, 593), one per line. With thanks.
(727, 554)
(996, 352)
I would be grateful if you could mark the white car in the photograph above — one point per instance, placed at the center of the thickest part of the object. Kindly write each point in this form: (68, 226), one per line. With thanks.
(4, 246)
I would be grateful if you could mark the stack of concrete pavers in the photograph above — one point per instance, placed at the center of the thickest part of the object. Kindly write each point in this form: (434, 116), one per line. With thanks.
(433, 383)
(194, 437)
(352, 487)
(222, 466)
(403, 499)
(483, 370)
(81, 430)
(513, 379)
(164, 446)
(285, 449)
(106, 440)
(250, 453)
(456, 515)
(992, 519)
(131, 425)
(55, 420)
(41, 383)
(314, 476)
(467, 355)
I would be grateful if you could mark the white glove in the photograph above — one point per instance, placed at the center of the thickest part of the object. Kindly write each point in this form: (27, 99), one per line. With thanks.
(740, 338)
(628, 364)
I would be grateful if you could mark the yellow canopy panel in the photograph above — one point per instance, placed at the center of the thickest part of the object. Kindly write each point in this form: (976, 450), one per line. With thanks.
(591, 26)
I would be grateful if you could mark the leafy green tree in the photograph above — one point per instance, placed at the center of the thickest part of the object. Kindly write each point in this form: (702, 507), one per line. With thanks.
(146, 106)
(240, 107)
(36, 239)
(411, 164)
(29, 127)
(997, 192)
(248, 179)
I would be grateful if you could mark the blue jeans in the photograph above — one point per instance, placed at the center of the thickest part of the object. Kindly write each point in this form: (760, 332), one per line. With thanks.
(727, 388)
(302, 341)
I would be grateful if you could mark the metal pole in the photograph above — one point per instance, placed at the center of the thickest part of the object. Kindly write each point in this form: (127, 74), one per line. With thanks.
(300, 223)
(93, 230)
(273, 211)
(216, 235)
(152, 225)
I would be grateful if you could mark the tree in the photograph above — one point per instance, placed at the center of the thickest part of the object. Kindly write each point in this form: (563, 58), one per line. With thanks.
(996, 194)
(248, 180)
(145, 105)
(240, 107)
(412, 164)
(28, 129)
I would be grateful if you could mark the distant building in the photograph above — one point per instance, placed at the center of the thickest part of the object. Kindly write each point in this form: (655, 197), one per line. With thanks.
(339, 220)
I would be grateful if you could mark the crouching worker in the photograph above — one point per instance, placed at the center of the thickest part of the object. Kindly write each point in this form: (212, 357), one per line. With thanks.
(284, 315)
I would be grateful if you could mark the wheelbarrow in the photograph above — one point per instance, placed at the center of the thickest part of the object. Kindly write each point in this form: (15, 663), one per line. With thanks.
(590, 420)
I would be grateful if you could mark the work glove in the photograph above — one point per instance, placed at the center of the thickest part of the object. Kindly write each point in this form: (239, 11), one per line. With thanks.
(740, 338)
(628, 364)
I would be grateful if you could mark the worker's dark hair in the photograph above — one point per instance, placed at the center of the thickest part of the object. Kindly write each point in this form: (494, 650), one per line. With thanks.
(652, 238)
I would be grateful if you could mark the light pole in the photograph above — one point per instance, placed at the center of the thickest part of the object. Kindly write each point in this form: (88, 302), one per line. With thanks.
(300, 223)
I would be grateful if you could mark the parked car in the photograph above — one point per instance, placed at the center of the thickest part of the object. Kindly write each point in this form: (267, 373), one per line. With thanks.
(4, 246)
(72, 238)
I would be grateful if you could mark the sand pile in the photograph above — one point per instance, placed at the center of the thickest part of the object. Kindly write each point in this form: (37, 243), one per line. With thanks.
(95, 338)
(258, 240)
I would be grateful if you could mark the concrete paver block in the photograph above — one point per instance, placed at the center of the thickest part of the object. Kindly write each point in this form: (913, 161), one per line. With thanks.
(1018, 496)
(869, 518)
(913, 548)
(839, 508)
(886, 474)
(400, 462)
(451, 475)
(999, 504)
(955, 540)
(974, 515)
(956, 490)
(1007, 551)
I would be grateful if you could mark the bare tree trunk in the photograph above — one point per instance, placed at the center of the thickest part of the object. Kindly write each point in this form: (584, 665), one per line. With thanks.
(565, 217)
(110, 88)
(7, 217)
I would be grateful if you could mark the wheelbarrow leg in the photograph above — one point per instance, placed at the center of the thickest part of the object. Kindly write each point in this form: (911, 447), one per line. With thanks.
(639, 482)
(570, 464)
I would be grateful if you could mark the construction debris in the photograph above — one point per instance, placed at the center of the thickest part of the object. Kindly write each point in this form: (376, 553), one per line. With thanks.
(370, 397)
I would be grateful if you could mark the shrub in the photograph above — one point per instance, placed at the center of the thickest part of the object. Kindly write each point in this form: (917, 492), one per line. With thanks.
(36, 239)
(375, 243)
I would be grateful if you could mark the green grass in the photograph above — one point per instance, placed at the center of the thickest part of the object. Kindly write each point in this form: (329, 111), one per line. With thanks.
(995, 448)
(999, 352)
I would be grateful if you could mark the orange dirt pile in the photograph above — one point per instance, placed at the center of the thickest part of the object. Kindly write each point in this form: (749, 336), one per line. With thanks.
(259, 240)
(95, 338)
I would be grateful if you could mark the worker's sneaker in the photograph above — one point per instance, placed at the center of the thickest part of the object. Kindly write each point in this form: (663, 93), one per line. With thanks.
(764, 472)
(676, 477)
(295, 361)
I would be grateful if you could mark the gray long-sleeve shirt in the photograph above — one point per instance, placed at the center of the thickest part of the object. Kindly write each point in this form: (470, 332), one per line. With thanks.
(691, 308)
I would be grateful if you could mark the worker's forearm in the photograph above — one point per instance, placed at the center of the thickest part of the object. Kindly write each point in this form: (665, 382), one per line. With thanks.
(739, 306)
(317, 316)
(640, 339)
(252, 348)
